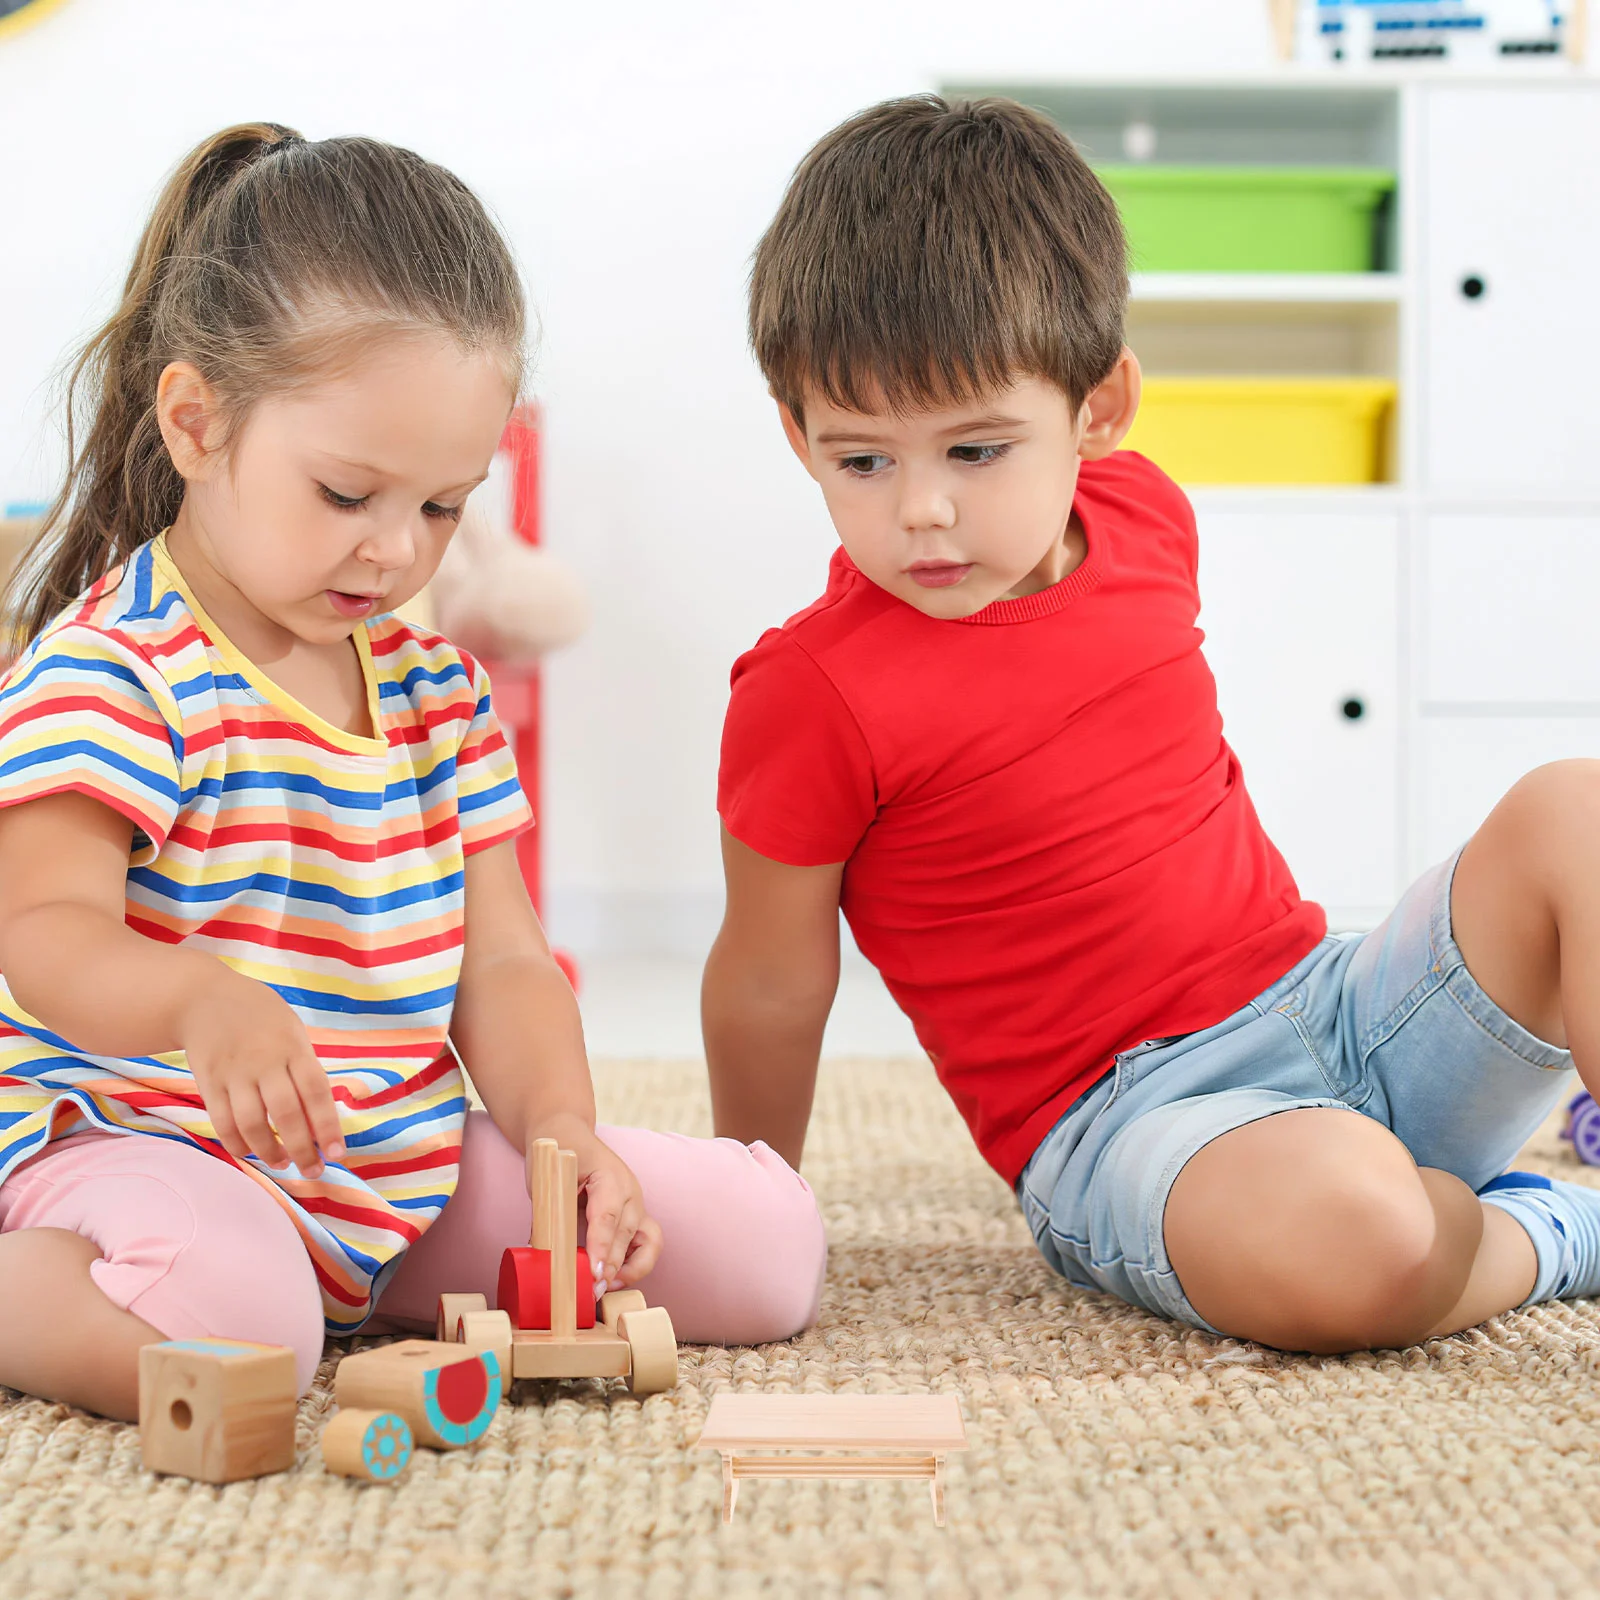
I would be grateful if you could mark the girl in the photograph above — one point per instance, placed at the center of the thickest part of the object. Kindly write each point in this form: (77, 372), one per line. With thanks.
(256, 863)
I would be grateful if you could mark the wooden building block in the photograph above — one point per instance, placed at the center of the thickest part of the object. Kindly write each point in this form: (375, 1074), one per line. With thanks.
(919, 1429)
(448, 1395)
(216, 1409)
(564, 1247)
(374, 1445)
(579, 1355)
(544, 1162)
(523, 1291)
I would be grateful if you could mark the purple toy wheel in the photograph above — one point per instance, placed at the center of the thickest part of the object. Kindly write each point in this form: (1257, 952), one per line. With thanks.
(1583, 1124)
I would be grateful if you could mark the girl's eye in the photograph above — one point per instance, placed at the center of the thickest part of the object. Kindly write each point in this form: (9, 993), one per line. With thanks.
(344, 502)
(442, 513)
(864, 466)
(978, 455)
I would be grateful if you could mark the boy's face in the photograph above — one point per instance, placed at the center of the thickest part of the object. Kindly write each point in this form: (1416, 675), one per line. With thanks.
(956, 507)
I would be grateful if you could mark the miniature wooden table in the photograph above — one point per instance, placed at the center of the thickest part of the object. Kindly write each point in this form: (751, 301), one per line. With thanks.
(838, 1429)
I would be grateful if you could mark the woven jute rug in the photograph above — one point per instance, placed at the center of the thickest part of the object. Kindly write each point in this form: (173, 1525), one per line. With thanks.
(1111, 1453)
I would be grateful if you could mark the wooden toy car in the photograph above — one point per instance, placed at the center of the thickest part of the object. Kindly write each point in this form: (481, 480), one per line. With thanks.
(542, 1288)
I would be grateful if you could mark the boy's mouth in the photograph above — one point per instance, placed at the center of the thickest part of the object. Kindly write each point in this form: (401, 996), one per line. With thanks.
(938, 574)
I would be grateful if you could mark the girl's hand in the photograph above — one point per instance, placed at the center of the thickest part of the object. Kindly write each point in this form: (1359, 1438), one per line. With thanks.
(256, 1071)
(623, 1243)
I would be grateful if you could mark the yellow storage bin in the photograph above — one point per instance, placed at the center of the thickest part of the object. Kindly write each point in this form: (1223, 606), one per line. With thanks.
(1265, 430)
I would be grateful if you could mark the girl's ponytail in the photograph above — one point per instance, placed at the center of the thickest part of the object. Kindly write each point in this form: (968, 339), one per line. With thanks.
(121, 485)
(265, 255)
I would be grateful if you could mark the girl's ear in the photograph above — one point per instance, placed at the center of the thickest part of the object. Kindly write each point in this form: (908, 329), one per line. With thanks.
(190, 419)
(1109, 411)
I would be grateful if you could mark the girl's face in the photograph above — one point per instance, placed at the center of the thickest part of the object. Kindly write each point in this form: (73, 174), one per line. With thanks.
(335, 502)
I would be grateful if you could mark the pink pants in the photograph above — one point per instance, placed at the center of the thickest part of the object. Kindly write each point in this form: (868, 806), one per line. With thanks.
(196, 1249)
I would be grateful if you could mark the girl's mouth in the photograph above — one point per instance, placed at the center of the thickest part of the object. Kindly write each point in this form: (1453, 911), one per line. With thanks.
(352, 605)
(939, 574)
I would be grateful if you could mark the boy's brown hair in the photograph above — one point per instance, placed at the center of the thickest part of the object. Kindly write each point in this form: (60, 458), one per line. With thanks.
(926, 252)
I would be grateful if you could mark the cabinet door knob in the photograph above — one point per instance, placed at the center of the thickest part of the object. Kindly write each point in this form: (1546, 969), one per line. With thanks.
(1353, 709)
(1473, 287)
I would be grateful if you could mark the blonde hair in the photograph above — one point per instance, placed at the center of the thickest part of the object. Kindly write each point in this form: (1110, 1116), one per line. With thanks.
(267, 260)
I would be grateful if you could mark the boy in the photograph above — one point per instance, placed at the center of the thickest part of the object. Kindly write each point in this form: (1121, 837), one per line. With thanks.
(995, 744)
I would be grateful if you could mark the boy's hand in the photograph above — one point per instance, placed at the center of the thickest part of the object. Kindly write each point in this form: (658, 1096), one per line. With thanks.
(623, 1243)
(256, 1071)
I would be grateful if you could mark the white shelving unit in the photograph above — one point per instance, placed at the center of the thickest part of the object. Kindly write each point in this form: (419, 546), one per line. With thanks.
(1392, 657)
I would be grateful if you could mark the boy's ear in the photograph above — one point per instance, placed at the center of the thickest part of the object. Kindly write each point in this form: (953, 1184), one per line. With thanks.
(795, 434)
(1109, 411)
(190, 418)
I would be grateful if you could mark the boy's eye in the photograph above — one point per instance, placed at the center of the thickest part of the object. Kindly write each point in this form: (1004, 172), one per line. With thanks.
(344, 502)
(978, 455)
(442, 513)
(864, 466)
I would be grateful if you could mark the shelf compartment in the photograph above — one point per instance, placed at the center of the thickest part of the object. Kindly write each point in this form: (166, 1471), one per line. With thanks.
(1265, 430)
(1249, 218)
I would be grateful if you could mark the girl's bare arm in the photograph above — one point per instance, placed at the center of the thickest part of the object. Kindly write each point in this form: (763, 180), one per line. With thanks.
(769, 984)
(71, 960)
(517, 1028)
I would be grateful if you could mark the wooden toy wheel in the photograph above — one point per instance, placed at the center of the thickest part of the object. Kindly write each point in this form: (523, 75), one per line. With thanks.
(653, 1348)
(489, 1330)
(618, 1301)
(452, 1308)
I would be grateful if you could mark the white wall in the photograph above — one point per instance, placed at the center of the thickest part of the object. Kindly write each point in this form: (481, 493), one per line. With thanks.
(634, 160)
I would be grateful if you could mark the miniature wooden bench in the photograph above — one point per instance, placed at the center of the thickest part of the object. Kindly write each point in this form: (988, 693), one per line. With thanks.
(839, 1429)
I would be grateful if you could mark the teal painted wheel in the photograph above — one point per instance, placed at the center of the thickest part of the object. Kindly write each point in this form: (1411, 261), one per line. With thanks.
(386, 1445)
(460, 1399)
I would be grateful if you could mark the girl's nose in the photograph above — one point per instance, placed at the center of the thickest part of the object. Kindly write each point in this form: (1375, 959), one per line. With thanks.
(392, 547)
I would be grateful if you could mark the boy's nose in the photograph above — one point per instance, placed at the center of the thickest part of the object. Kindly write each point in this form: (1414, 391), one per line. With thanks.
(926, 505)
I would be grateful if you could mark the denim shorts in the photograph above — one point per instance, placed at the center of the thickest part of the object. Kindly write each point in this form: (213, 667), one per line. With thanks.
(1389, 1024)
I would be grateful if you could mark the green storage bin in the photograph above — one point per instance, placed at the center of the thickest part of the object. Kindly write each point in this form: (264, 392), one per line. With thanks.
(1249, 219)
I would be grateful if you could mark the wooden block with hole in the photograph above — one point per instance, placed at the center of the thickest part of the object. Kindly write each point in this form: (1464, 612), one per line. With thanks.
(216, 1409)
(448, 1395)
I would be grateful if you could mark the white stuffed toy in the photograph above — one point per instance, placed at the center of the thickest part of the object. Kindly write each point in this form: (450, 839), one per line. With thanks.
(502, 599)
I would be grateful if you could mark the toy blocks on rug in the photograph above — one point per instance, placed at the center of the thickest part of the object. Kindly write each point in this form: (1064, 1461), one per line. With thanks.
(371, 1445)
(447, 1395)
(216, 1409)
(547, 1314)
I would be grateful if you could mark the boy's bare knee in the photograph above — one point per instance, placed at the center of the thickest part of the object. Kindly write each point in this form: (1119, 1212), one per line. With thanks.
(1316, 1234)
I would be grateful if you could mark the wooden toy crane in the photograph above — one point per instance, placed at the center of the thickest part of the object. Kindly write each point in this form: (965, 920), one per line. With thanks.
(546, 1324)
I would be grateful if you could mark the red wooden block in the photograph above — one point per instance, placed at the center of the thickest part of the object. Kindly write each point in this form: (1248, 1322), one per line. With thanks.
(524, 1290)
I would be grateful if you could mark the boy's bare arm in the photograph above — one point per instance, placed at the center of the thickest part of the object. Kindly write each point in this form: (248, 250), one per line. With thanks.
(769, 983)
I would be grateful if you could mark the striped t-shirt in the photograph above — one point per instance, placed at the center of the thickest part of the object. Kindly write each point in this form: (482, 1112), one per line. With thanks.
(325, 864)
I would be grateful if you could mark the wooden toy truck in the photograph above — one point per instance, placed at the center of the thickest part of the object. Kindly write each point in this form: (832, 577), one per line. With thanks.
(545, 1326)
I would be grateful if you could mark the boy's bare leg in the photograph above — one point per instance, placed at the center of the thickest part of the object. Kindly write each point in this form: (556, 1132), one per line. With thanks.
(1263, 1228)
(1315, 1230)
(60, 1337)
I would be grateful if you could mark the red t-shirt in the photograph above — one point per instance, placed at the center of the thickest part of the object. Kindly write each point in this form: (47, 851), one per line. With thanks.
(1050, 855)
